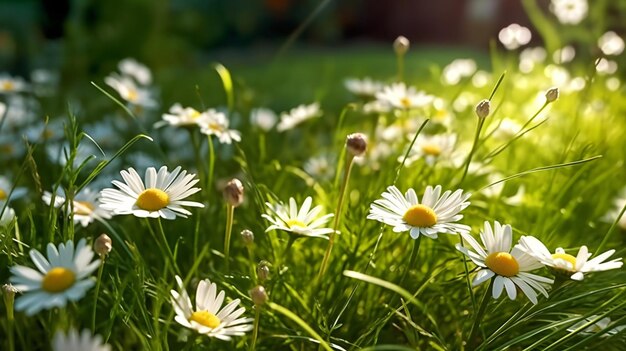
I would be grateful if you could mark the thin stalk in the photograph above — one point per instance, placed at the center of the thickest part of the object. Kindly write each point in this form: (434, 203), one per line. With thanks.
(400, 67)
(342, 192)
(406, 155)
(169, 252)
(294, 317)
(255, 328)
(467, 279)
(414, 251)
(95, 300)
(479, 127)
(478, 318)
(608, 232)
(9, 299)
(211, 164)
(262, 146)
(230, 214)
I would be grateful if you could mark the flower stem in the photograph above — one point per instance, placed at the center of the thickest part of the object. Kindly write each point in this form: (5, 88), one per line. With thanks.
(255, 328)
(9, 299)
(342, 193)
(414, 251)
(170, 255)
(230, 213)
(467, 279)
(211, 164)
(400, 67)
(478, 317)
(479, 127)
(261, 146)
(95, 300)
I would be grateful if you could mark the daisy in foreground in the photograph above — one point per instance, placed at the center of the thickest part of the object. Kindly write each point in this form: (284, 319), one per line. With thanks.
(573, 267)
(75, 342)
(305, 222)
(162, 196)
(209, 318)
(86, 207)
(509, 267)
(62, 277)
(437, 213)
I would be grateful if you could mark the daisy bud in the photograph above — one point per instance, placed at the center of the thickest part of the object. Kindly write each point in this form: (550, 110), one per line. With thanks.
(263, 271)
(401, 45)
(356, 143)
(552, 94)
(482, 109)
(258, 295)
(247, 236)
(233, 192)
(103, 245)
(9, 292)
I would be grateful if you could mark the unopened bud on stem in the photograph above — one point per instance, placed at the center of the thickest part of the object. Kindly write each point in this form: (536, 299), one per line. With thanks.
(103, 245)
(258, 295)
(482, 109)
(401, 45)
(356, 144)
(263, 271)
(552, 94)
(233, 192)
(247, 236)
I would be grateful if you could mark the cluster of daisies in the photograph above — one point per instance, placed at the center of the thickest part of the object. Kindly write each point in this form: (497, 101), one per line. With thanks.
(508, 267)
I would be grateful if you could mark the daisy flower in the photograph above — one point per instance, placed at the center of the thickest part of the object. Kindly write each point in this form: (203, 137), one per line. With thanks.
(86, 206)
(574, 267)
(437, 213)
(209, 318)
(297, 115)
(513, 36)
(213, 122)
(569, 11)
(7, 214)
(62, 277)
(458, 69)
(132, 68)
(431, 148)
(75, 342)
(597, 326)
(400, 96)
(10, 85)
(129, 91)
(5, 190)
(509, 267)
(182, 117)
(305, 222)
(611, 44)
(162, 196)
(366, 87)
(263, 118)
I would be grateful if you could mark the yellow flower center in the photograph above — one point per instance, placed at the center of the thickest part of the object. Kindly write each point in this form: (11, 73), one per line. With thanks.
(566, 257)
(3, 195)
(8, 85)
(420, 216)
(405, 102)
(205, 318)
(194, 114)
(84, 208)
(132, 95)
(502, 263)
(431, 149)
(58, 279)
(152, 199)
(295, 223)
(216, 127)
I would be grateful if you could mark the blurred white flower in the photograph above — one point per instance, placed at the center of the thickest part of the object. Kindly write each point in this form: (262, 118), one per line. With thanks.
(132, 68)
(613, 83)
(457, 70)
(611, 44)
(45, 81)
(297, 115)
(481, 79)
(11, 85)
(530, 57)
(6, 186)
(213, 122)
(376, 106)
(401, 96)
(366, 87)
(569, 11)
(182, 117)
(559, 75)
(130, 92)
(507, 129)
(18, 110)
(514, 36)
(75, 342)
(86, 206)
(605, 66)
(7, 216)
(596, 327)
(320, 167)
(431, 148)
(564, 54)
(263, 118)
(618, 204)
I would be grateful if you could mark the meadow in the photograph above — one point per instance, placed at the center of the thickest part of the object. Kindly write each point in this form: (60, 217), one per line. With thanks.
(368, 198)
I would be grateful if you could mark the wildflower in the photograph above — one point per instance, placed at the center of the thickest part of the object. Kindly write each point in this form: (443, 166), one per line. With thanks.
(132, 68)
(552, 94)
(437, 213)
(597, 326)
(5, 190)
(297, 115)
(569, 11)
(564, 54)
(247, 236)
(604, 66)
(10, 85)
(305, 222)
(514, 36)
(182, 117)
(366, 87)
(209, 318)
(75, 342)
(320, 167)
(7, 216)
(431, 148)
(400, 96)
(611, 44)
(574, 267)
(618, 204)
(162, 196)
(18, 111)
(457, 70)
(103, 245)
(401, 45)
(258, 295)
(510, 267)
(530, 57)
(356, 144)
(213, 122)
(86, 206)
(233, 192)
(129, 91)
(263, 271)
(62, 277)
(264, 118)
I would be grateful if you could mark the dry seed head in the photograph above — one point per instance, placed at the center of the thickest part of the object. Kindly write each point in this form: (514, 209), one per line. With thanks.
(247, 236)
(401, 45)
(233, 192)
(356, 143)
(9, 290)
(552, 94)
(103, 245)
(482, 109)
(258, 295)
